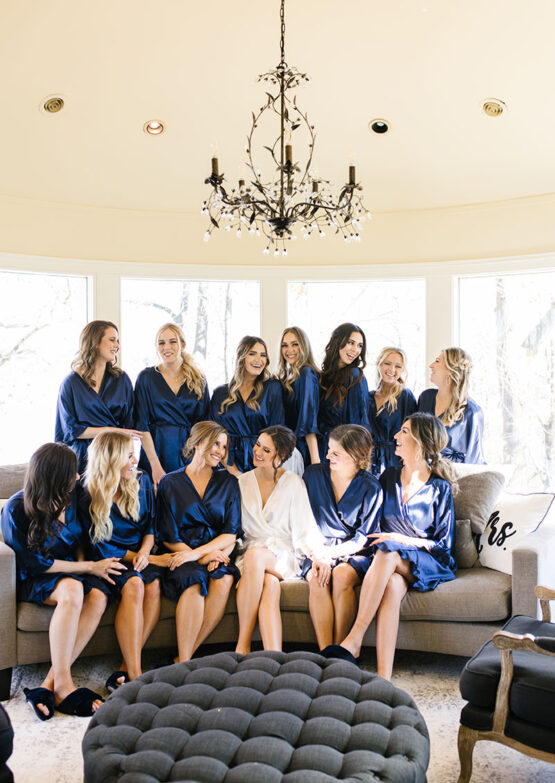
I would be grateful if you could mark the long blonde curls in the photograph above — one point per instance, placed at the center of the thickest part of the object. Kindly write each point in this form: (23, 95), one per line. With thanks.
(189, 372)
(247, 343)
(89, 340)
(288, 373)
(459, 365)
(107, 455)
(393, 393)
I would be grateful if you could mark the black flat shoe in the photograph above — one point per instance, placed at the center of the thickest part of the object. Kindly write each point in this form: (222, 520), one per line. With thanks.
(36, 696)
(112, 683)
(79, 703)
(336, 651)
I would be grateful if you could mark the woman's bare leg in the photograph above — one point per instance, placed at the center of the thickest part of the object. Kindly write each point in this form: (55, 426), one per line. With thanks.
(189, 615)
(214, 607)
(249, 592)
(321, 610)
(151, 608)
(387, 623)
(129, 625)
(344, 579)
(373, 587)
(269, 616)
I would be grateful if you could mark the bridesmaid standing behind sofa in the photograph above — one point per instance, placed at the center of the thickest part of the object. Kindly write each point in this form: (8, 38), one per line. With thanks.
(97, 396)
(461, 415)
(169, 399)
(389, 406)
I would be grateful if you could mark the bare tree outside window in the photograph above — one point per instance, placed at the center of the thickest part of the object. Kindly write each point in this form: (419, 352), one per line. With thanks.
(507, 324)
(41, 317)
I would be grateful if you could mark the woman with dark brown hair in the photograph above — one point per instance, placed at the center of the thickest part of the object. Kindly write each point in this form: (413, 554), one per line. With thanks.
(248, 403)
(97, 395)
(41, 524)
(346, 501)
(413, 549)
(343, 387)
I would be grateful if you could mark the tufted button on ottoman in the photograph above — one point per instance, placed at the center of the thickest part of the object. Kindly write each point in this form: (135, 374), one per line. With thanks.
(267, 717)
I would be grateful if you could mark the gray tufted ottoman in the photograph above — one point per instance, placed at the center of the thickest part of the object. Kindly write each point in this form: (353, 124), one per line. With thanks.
(267, 717)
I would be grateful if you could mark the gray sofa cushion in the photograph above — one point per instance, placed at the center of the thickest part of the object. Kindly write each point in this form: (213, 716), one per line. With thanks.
(11, 479)
(476, 497)
(264, 718)
(465, 553)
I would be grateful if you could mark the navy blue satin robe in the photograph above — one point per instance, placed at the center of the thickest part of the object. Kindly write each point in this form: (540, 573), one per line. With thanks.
(127, 535)
(244, 424)
(301, 408)
(353, 411)
(352, 519)
(465, 436)
(384, 425)
(32, 582)
(428, 514)
(184, 517)
(167, 416)
(79, 407)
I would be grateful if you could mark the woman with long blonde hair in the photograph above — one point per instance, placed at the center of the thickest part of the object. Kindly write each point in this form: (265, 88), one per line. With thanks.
(248, 403)
(462, 416)
(299, 375)
(118, 509)
(413, 549)
(97, 396)
(388, 406)
(198, 521)
(170, 398)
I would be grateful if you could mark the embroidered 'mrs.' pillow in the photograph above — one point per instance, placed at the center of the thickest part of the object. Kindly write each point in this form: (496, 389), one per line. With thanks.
(513, 518)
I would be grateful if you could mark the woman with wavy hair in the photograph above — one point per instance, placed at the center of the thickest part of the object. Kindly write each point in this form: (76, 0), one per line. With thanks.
(41, 524)
(118, 509)
(279, 531)
(462, 416)
(389, 405)
(169, 398)
(343, 387)
(346, 501)
(248, 403)
(299, 375)
(97, 396)
(198, 521)
(413, 549)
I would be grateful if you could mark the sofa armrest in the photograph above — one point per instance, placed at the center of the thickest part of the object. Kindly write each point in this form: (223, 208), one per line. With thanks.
(533, 560)
(8, 607)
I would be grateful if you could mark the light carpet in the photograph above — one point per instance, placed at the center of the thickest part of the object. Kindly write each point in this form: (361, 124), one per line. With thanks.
(51, 751)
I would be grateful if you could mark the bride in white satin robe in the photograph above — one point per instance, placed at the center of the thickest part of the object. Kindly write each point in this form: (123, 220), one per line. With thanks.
(279, 531)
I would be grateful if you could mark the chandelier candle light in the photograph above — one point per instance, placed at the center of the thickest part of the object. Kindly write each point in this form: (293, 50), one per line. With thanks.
(296, 198)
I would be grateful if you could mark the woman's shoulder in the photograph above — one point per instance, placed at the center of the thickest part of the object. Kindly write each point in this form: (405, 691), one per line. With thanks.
(427, 398)
(315, 471)
(172, 480)
(440, 484)
(246, 478)
(473, 406)
(408, 394)
(390, 477)
(272, 385)
(145, 375)
(368, 479)
(14, 506)
(71, 380)
(223, 478)
(307, 371)
(220, 392)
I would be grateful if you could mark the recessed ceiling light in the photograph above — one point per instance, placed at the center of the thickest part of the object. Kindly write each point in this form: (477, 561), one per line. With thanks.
(53, 104)
(493, 107)
(154, 127)
(378, 126)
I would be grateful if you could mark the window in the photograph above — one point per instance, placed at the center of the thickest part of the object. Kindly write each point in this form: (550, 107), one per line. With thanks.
(41, 318)
(391, 312)
(507, 323)
(214, 315)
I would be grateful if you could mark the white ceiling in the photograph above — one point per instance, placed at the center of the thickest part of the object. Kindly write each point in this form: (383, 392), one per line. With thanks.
(424, 65)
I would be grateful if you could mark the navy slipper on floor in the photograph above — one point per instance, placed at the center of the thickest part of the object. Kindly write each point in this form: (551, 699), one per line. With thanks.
(336, 651)
(36, 696)
(79, 703)
(112, 683)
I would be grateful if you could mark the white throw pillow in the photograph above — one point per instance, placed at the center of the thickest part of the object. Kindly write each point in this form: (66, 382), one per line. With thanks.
(514, 516)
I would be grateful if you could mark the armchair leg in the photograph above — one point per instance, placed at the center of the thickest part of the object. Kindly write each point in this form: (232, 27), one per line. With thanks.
(467, 740)
(5, 683)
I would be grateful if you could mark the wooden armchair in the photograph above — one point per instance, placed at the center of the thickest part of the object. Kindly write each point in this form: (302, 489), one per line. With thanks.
(510, 688)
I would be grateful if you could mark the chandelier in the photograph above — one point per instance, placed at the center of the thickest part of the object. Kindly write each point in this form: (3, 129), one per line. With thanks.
(296, 198)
